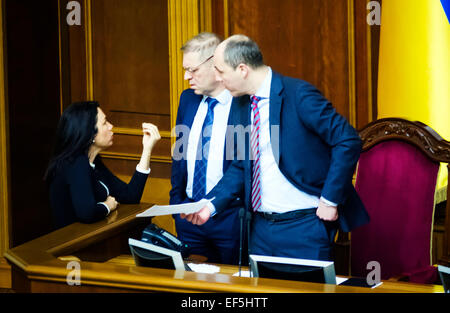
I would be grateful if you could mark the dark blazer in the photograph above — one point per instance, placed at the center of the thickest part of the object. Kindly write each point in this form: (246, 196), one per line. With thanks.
(75, 191)
(187, 109)
(316, 150)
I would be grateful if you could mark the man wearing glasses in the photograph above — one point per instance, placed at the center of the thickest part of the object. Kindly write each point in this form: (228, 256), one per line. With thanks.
(198, 166)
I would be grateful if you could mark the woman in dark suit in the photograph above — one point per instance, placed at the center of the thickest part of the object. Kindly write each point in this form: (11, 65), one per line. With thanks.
(81, 187)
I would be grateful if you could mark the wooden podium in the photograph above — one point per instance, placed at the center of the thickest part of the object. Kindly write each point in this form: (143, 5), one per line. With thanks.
(99, 254)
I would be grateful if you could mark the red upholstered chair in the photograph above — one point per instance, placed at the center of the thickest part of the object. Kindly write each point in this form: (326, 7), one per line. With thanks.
(396, 180)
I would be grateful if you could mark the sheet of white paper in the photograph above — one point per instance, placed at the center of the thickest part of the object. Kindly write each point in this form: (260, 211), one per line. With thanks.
(186, 208)
(204, 268)
(340, 280)
(243, 274)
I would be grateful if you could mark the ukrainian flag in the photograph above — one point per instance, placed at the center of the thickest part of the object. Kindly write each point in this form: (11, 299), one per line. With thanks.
(414, 64)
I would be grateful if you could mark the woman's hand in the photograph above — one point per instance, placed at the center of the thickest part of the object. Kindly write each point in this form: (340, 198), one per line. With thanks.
(111, 203)
(151, 136)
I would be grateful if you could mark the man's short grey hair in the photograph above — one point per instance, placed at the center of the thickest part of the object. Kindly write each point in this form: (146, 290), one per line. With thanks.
(204, 43)
(241, 49)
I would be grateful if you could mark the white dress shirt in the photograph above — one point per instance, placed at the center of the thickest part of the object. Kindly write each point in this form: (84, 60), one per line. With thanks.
(278, 195)
(214, 170)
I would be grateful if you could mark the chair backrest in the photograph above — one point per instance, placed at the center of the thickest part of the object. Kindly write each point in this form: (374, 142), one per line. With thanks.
(396, 180)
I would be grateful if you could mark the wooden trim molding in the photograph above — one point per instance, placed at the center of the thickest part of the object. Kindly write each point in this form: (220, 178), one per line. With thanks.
(5, 274)
(351, 62)
(4, 149)
(369, 72)
(5, 269)
(61, 100)
(416, 133)
(138, 132)
(206, 15)
(88, 37)
(226, 19)
(134, 157)
(183, 24)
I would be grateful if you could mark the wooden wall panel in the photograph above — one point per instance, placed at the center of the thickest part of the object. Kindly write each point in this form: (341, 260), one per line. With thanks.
(33, 99)
(123, 56)
(73, 57)
(131, 144)
(306, 39)
(325, 42)
(366, 59)
(5, 228)
(130, 58)
(130, 71)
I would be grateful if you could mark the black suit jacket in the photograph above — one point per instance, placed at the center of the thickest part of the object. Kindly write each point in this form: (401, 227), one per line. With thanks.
(76, 190)
(187, 109)
(315, 147)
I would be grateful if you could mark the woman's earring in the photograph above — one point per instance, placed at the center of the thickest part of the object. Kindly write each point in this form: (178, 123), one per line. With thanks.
(93, 140)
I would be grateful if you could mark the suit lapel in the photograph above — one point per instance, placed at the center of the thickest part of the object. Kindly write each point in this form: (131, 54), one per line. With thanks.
(236, 104)
(191, 111)
(189, 114)
(276, 100)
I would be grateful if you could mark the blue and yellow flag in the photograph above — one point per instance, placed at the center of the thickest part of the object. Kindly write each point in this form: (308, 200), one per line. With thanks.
(414, 64)
(446, 6)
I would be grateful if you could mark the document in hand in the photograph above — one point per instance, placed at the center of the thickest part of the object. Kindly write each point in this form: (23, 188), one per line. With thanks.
(186, 208)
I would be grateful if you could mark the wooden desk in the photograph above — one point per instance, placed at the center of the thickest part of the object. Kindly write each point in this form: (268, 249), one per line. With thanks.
(102, 252)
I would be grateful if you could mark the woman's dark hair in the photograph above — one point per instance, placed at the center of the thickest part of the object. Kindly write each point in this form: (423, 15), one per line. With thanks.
(76, 130)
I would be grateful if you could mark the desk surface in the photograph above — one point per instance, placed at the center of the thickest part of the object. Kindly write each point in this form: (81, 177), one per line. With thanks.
(41, 265)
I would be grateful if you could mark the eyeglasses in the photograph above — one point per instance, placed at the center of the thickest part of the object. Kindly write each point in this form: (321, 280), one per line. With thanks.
(194, 69)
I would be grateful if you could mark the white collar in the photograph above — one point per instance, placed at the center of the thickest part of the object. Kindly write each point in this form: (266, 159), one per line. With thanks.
(224, 97)
(264, 89)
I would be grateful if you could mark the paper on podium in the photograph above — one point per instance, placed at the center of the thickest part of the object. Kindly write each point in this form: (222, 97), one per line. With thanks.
(186, 208)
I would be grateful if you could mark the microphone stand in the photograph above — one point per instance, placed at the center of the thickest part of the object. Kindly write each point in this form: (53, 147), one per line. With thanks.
(241, 218)
(249, 218)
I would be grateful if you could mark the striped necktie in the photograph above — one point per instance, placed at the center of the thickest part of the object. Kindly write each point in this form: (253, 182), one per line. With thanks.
(201, 163)
(256, 169)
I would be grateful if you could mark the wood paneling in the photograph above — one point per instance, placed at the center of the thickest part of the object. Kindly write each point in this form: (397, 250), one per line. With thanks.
(33, 98)
(73, 57)
(366, 59)
(131, 68)
(219, 11)
(327, 43)
(184, 23)
(4, 151)
(131, 144)
(5, 269)
(41, 266)
(305, 39)
(130, 49)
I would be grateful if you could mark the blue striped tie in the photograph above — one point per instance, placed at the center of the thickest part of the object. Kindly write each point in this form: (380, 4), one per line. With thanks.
(201, 163)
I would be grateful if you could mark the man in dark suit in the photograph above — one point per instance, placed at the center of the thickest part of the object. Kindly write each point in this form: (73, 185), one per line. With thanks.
(294, 170)
(198, 161)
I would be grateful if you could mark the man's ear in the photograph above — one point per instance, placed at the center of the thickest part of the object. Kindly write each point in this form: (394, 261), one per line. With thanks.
(243, 70)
